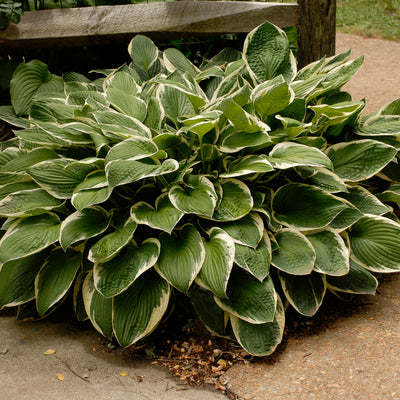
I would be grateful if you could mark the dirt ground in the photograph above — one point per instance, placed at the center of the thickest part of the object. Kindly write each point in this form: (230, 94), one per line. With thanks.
(347, 352)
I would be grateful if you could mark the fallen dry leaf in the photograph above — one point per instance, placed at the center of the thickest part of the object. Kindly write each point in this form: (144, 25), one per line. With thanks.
(49, 352)
(60, 377)
(123, 374)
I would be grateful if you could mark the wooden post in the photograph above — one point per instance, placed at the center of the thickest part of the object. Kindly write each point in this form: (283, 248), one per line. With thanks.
(316, 30)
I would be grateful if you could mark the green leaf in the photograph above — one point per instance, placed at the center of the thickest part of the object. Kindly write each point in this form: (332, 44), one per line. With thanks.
(27, 203)
(212, 316)
(391, 108)
(305, 207)
(144, 54)
(380, 125)
(325, 180)
(255, 261)
(59, 177)
(181, 257)
(260, 339)
(29, 79)
(29, 236)
(266, 52)
(98, 308)
(304, 293)
(288, 155)
(236, 201)
(113, 277)
(199, 200)
(365, 201)
(236, 141)
(249, 299)
(55, 278)
(375, 244)
(247, 165)
(7, 114)
(24, 160)
(272, 99)
(164, 216)
(361, 159)
(17, 279)
(110, 245)
(138, 311)
(126, 103)
(358, 281)
(83, 225)
(295, 253)
(392, 193)
(132, 149)
(247, 231)
(175, 103)
(218, 262)
(331, 251)
(175, 60)
(122, 172)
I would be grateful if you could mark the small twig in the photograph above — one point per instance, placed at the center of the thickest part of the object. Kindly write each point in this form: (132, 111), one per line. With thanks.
(76, 374)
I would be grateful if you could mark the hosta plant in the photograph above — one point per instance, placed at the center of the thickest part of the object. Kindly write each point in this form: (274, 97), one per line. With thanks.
(243, 183)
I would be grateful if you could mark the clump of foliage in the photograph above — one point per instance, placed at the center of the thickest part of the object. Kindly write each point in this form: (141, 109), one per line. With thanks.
(244, 183)
(10, 11)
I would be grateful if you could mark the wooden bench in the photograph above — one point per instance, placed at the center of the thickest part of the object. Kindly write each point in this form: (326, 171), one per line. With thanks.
(87, 26)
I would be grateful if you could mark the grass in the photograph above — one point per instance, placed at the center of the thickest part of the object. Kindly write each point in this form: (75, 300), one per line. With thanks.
(372, 18)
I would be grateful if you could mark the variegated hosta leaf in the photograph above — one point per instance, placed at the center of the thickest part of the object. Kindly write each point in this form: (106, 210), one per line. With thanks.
(77, 298)
(365, 201)
(122, 80)
(236, 201)
(200, 200)
(175, 103)
(29, 236)
(255, 261)
(110, 245)
(127, 104)
(249, 299)
(288, 155)
(346, 218)
(361, 159)
(133, 149)
(324, 179)
(175, 60)
(385, 125)
(331, 251)
(90, 197)
(247, 165)
(236, 140)
(203, 123)
(295, 254)
(121, 172)
(20, 162)
(212, 316)
(144, 54)
(266, 52)
(392, 193)
(17, 279)
(28, 79)
(98, 308)
(358, 281)
(7, 113)
(138, 311)
(115, 276)
(391, 108)
(181, 257)
(273, 99)
(57, 178)
(375, 243)
(83, 225)
(27, 203)
(247, 231)
(305, 207)
(164, 216)
(56, 277)
(260, 339)
(304, 293)
(218, 262)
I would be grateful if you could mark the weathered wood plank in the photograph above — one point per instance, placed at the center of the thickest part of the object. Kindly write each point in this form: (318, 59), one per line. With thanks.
(105, 24)
(316, 30)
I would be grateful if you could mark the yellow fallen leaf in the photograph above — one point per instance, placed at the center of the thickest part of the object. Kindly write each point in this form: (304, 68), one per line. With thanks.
(49, 352)
(123, 374)
(60, 377)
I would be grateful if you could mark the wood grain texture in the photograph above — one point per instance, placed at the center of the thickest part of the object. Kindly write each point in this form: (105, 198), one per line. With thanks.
(105, 24)
(316, 30)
